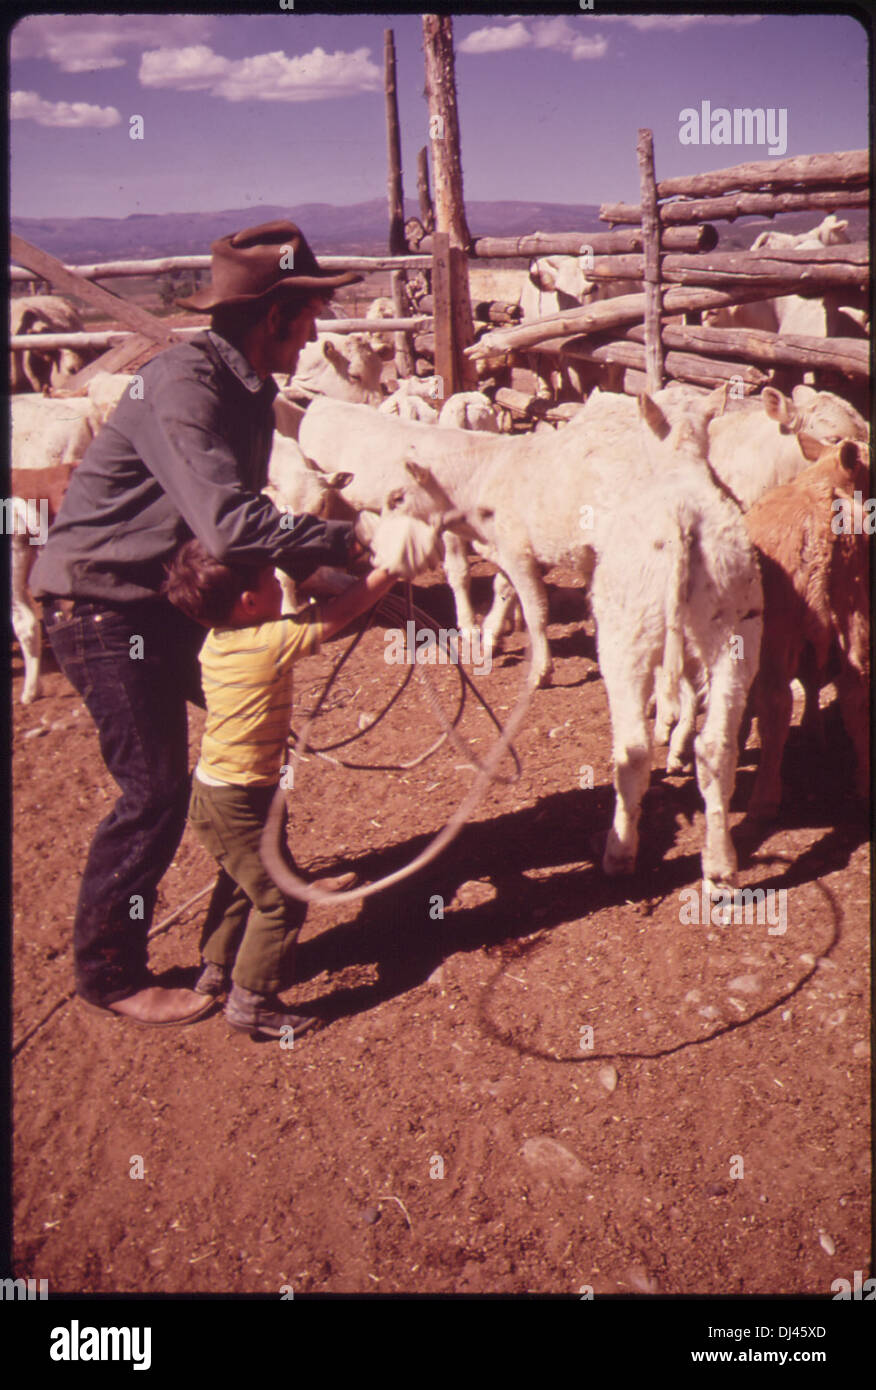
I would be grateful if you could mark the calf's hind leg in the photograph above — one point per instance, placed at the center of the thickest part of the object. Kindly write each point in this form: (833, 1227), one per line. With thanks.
(25, 618)
(716, 755)
(628, 686)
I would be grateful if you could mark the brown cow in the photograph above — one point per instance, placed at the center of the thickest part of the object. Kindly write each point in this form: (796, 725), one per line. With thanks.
(816, 609)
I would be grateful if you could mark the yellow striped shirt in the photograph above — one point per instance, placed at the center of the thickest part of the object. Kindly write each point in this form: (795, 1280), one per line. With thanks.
(247, 677)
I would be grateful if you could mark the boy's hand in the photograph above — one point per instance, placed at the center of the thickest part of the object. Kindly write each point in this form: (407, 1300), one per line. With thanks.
(403, 546)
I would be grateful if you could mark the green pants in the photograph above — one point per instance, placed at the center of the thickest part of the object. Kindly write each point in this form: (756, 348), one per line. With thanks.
(250, 924)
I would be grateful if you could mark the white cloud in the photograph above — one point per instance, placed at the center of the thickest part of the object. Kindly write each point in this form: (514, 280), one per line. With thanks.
(89, 42)
(553, 33)
(313, 76)
(495, 39)
(677, 21)
(597, 47)
(557, 33)
(187, 69)
(29, 106)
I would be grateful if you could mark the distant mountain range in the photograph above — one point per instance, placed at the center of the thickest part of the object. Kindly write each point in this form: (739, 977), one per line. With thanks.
(360, 228)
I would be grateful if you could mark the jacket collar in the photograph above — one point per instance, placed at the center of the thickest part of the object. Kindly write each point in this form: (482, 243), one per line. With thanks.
(238, 364)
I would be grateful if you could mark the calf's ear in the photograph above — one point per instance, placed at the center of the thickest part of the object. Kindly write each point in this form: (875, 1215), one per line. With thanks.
(716, 401)
(777, 406)
(849, 456)
(803, 396)
(653, 416)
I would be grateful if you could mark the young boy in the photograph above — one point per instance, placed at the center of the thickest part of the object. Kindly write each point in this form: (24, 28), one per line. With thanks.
(251, 928)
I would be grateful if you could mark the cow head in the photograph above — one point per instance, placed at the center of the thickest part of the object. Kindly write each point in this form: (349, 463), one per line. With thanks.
(356, 362)
(819, 417)
(682, 429)
(431, 503)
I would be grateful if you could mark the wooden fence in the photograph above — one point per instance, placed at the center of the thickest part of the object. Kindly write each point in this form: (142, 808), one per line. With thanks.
(663, 241)
(142, 334)
(631, 332)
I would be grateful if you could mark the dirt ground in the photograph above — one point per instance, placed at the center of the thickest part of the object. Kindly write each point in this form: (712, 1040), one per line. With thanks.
(452, 1126)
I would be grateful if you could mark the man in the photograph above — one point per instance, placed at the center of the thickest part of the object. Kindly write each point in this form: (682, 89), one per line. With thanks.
(188, 459)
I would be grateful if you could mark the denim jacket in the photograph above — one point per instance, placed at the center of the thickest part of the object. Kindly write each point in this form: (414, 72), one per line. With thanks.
(188, 459)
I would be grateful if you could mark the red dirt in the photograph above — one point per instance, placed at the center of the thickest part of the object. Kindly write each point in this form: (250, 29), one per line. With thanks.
(456, 1044)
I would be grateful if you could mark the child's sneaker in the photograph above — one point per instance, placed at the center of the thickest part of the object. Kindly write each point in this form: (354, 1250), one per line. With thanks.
(212, 980)
(263, 1015)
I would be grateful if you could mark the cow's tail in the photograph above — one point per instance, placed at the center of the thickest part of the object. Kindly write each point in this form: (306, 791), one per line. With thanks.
(676, 596)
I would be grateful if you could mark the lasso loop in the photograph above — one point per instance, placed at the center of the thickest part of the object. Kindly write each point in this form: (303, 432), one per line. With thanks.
(273, 833)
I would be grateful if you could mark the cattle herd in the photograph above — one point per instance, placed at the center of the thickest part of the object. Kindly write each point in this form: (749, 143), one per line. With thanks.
(706, 529)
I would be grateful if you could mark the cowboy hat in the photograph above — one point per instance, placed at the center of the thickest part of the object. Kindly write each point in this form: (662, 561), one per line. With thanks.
(249, 264)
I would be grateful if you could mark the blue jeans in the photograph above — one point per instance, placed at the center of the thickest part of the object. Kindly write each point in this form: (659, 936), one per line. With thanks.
(136, 694)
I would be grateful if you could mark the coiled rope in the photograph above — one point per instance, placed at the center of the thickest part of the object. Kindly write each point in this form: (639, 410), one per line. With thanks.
(273, 834)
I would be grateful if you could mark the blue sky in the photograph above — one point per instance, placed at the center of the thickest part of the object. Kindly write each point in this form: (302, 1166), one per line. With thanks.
(287, 108)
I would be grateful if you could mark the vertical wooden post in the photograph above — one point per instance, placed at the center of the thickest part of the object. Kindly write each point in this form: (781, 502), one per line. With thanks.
(449, 203)
(444, 128)
(404, 342)
(427, 212)
(445, 357)
(651, 248)
(397, 243)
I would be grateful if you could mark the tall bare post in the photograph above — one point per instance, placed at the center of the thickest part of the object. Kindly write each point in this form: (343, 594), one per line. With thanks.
(445, 355)
(447, 171)
(404, 342)
(427, 212)
(651, 248)
(397, 243)
(404, 352)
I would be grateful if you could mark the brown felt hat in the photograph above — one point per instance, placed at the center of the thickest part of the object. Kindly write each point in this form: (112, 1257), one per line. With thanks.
(258, 260)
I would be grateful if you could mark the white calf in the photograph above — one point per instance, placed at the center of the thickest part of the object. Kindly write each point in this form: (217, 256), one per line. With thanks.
(295, 485)
(25, 618)
(676, 585)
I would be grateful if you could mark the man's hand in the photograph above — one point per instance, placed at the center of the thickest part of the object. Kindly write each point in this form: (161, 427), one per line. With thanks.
(327, 580)
(403, 546)
(358, 554)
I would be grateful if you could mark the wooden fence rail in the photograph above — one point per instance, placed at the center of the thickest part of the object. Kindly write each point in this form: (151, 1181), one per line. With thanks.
(107, 270)
(692, 279)
(699, 238)
(105, 337)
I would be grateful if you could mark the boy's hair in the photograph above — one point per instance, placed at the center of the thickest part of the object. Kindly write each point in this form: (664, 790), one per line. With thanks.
(233, 321)
(205, 589)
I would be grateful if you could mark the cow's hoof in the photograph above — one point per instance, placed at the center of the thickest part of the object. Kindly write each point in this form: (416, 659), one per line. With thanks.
(676, 764)
(617, 859)
(28, 696)
(721, 884)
